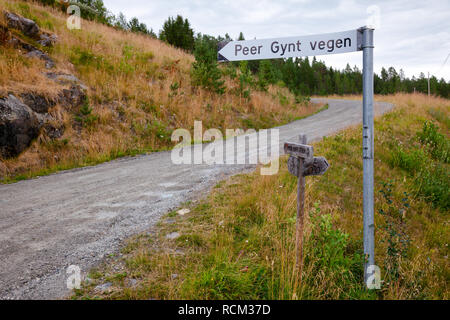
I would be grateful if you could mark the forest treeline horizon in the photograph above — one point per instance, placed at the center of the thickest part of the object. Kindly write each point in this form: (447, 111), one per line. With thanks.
(303, 76)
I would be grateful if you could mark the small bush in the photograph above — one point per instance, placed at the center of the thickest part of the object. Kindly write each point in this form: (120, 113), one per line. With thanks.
(437, 144)
(329, 254)
(411, 161)
(299, 99)
(207, 74)
(433, 183)
(85, 116)
(428, 165)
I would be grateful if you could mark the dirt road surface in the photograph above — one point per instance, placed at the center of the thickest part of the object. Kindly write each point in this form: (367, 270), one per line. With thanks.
(77, 217)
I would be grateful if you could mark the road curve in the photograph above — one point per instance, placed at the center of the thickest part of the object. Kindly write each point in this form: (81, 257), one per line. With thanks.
(77, 217)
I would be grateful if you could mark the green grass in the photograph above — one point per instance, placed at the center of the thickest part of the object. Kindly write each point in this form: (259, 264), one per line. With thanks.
(425, 158)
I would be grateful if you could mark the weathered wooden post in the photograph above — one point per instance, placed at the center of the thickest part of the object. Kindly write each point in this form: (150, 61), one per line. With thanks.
(301, 164)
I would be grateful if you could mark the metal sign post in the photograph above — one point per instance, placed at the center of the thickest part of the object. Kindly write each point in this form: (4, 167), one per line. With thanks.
(301, 154)
(368, 150)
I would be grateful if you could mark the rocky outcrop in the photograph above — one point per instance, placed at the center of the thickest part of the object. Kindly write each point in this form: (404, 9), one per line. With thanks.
(30, 29)
(21, 120)
(24, 116)
(65, 78)
(75, 95)
(19, 125)
(47, 39)
(26, 26)
(37, 102)
(32, 51)
(49, 63)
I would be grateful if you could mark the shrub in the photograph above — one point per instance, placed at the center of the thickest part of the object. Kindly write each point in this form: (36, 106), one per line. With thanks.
(328, 253)
(411, 161)
(205, 71)
(246, 81)
(437, 144)
(433, 183)
(85, 116)
(428, 165)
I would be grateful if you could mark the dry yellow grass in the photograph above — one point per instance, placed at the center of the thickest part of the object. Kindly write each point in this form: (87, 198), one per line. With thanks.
(140, 89)
(239, 243)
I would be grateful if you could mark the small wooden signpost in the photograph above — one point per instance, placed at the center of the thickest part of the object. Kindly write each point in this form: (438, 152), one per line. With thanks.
(301, 164)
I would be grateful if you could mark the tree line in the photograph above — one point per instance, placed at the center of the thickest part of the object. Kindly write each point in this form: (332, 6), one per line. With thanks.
(303, 76)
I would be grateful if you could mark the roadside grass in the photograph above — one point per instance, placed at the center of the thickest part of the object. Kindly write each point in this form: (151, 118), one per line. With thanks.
(238, 243)
(139, 88)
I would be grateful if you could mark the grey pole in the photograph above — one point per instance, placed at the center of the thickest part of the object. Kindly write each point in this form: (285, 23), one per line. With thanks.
(368, 150)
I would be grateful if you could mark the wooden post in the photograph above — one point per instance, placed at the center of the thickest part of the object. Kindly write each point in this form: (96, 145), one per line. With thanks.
(300, 211)
(301, 164)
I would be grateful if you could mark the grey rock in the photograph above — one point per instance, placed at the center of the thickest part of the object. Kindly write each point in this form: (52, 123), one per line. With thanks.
(132, 282)
(174, 276)
(19, 125)
(64, 78)
(54, 131)
(27, 26)
(73, 97)
(47, 39)
(37, 102)
(49, 63)
(103, 287)
(173, 235)
(19, 44)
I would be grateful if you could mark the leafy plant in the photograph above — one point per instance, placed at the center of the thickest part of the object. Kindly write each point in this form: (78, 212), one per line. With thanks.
(437, 144)
(174, 89)
(329, 253)
(427, 164)
(411, 161)
(205, 71)
(85, 116)
(246, 80)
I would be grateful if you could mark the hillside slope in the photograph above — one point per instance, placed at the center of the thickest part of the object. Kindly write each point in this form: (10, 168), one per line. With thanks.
(99, 93)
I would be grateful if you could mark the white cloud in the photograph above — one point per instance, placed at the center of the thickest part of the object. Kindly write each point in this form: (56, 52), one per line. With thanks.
(413, 35)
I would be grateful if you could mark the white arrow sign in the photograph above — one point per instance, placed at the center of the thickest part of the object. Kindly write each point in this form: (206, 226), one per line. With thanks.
(329, 43)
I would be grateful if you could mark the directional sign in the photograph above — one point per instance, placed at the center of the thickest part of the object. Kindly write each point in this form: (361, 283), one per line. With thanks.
(315, 167)
(294, 166)
(298, 150)
(276, 48)
(318, 167)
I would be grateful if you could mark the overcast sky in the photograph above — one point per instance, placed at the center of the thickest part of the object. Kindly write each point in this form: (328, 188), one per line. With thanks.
(413, 35)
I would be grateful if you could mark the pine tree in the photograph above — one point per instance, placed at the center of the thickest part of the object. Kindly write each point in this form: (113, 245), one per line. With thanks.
(178, 33)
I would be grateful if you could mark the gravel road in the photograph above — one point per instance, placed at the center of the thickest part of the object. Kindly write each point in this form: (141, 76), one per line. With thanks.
(77, 217)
